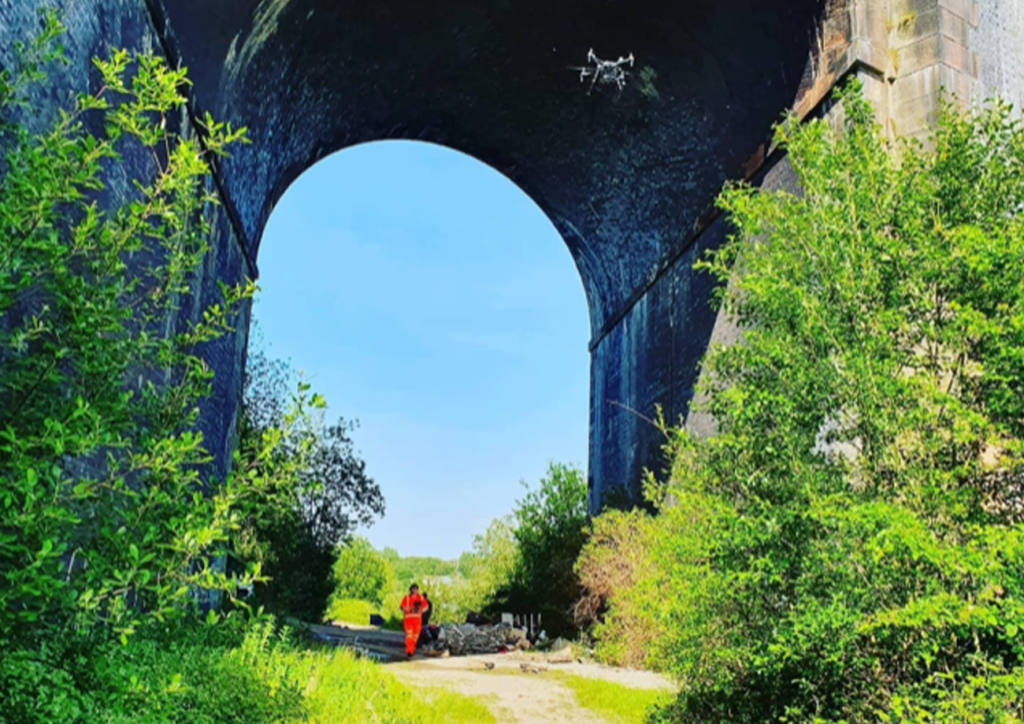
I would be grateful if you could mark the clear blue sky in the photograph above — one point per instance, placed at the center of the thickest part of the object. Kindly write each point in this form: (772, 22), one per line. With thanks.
(426, 295)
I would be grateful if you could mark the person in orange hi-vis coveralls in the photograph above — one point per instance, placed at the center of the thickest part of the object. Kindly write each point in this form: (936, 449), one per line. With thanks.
(413, 607)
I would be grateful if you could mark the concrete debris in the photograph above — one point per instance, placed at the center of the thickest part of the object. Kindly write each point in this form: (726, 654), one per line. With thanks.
(478, 619)
(516, 635)
(560, 652)
(467, 638)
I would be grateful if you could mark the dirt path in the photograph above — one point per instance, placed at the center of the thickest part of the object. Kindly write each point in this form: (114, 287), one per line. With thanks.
(515, 696)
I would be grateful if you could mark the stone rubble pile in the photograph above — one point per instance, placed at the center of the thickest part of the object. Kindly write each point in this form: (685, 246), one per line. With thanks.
(467, 638)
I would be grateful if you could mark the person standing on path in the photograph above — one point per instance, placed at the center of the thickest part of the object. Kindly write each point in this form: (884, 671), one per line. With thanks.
(427, 633)
(428, 610)
(413, 607)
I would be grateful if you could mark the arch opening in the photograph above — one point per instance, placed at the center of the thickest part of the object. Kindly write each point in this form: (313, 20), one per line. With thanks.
(427, 296)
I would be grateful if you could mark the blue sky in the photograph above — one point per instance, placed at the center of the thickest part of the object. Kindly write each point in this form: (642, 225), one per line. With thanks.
(423, 293)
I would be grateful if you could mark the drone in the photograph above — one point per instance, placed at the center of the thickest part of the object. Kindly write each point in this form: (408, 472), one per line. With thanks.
(606, 72)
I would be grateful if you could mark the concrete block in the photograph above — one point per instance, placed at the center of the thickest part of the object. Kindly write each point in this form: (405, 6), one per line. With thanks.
(931, 50)
(915, 116)
(869, 22)
(913, 27)
(954, 27)
(965, 9)
(907, 9)
(930, 81)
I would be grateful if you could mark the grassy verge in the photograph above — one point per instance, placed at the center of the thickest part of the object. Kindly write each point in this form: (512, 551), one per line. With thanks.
(355, 611)
(614, 702)
(213, 675)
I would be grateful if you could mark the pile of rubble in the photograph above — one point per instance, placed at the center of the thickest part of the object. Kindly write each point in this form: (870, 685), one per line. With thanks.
(467, 638)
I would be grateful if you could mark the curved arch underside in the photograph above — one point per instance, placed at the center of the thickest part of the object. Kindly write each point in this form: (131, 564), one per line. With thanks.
(627, 178)
(623, 176)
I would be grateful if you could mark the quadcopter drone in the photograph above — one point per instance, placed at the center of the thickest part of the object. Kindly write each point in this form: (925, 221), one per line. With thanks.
(606, 72)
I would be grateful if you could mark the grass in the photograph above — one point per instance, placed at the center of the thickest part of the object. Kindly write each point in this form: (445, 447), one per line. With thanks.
(613, 702)
(341, 688)
(452, 707)
(355, 611)
(351, 610)
(209, 675)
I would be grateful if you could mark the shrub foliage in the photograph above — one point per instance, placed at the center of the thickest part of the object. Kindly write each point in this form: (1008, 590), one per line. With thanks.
(362, 573)
(226, 674)
(107, 513)
(848, 547)
(616, 570)
(550, 529)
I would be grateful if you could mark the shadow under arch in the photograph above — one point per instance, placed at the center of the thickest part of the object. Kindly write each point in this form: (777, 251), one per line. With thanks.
(623, 176)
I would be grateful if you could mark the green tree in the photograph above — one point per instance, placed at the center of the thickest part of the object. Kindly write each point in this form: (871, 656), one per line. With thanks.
(412, 569)
(492, 562)
(481, 576)
(848, 546)
(296, 537)
(550, 530)
(362, 573)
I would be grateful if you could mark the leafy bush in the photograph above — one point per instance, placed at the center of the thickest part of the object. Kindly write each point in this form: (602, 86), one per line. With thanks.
(103, 516)
(618, 604)
(483, 575)
(214, 675)
(848, 547)
(189, 675)
(362, 573)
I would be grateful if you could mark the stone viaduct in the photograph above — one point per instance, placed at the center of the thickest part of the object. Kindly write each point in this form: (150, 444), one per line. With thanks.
(628, 178)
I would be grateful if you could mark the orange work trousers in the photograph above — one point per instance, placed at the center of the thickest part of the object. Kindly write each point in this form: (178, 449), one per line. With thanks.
(412, 626)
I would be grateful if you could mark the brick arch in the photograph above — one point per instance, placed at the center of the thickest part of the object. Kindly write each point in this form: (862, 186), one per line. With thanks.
(627, 179)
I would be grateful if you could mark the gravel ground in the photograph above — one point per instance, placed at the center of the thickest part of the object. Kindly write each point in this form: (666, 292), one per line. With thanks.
(516, 697)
